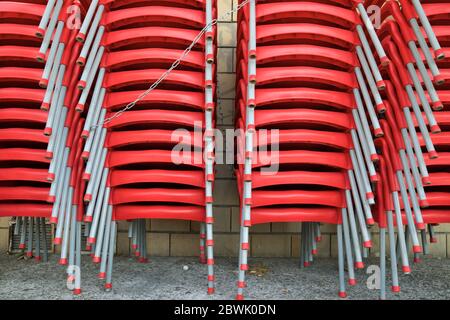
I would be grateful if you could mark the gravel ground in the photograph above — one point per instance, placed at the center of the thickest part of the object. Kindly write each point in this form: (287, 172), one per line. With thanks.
(164, 278)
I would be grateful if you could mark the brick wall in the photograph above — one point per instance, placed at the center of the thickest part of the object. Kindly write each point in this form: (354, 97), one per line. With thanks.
(180, 238)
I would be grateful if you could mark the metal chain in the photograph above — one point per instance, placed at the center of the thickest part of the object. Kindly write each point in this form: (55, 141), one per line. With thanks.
(173, 66)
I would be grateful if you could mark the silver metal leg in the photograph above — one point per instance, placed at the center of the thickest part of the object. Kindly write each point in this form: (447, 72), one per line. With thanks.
(342, 291)
(401, 235)
(87, 20)
(353, 230)
(348, 248)
(393, 254)
(428, 29)
(383, 263)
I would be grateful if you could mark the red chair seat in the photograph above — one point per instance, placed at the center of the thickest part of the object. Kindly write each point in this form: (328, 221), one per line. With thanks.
(333, 119)
(331, 179)
(271, 96)
(298, 157)
(154, 14)
(23, 174)
(294, 32)
(298, 75)
(117, 80)
(137, 117)
(183, 177)
(20, 134)
(121, 158)
(129, 212)
(325, 13)
(324, 215)
(151, 36)
(296, 53)
(192, 100)
(23, 154)
(436, 12)
(18, 32)
(24, 193)
(25, 210)
(301, 137)
(115, 4)
(18, 53)
(440, 178)
(118, 139)
(438, 199)
(263, 198)
(21, 11)
(21, 95)
(130, 195)
(11, 76)
(442, 160)
(436, 215)
(440, 139)
(120, 59)
(22, 115)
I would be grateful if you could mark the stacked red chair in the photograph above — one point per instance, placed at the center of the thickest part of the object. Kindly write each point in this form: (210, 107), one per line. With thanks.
(59, 50)
(156, 160)
(307, 70)
(415, 146)
(27, 95)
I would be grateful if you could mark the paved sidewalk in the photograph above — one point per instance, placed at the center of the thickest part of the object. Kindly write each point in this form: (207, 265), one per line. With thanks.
(164, 278)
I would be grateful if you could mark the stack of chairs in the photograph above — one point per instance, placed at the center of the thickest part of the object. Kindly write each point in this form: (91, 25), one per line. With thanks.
(307, 69)
(35, 51)
(414, 152)
(156, 160)
(59, 51)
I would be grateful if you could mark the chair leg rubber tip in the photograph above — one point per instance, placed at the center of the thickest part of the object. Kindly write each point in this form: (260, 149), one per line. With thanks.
(437, 106)
(367, 244)
(40, 57)
(80, 37)
(435, 129)
(424, 203)
(374, 157)
(39, 33)
(352, 282)
(426, 180)
(432, 154)
(381, 85)
(239, 297)
(417, 249)
(378, 132)
(43, 83)
(439, 80)
(76, 291)
(342, 294)
(359, 265)
(406, 269)
(211, 290)
(385, 61)
(395, 288)
(102, 275)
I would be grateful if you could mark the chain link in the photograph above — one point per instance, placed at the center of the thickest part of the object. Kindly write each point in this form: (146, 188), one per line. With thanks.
(173, 66)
